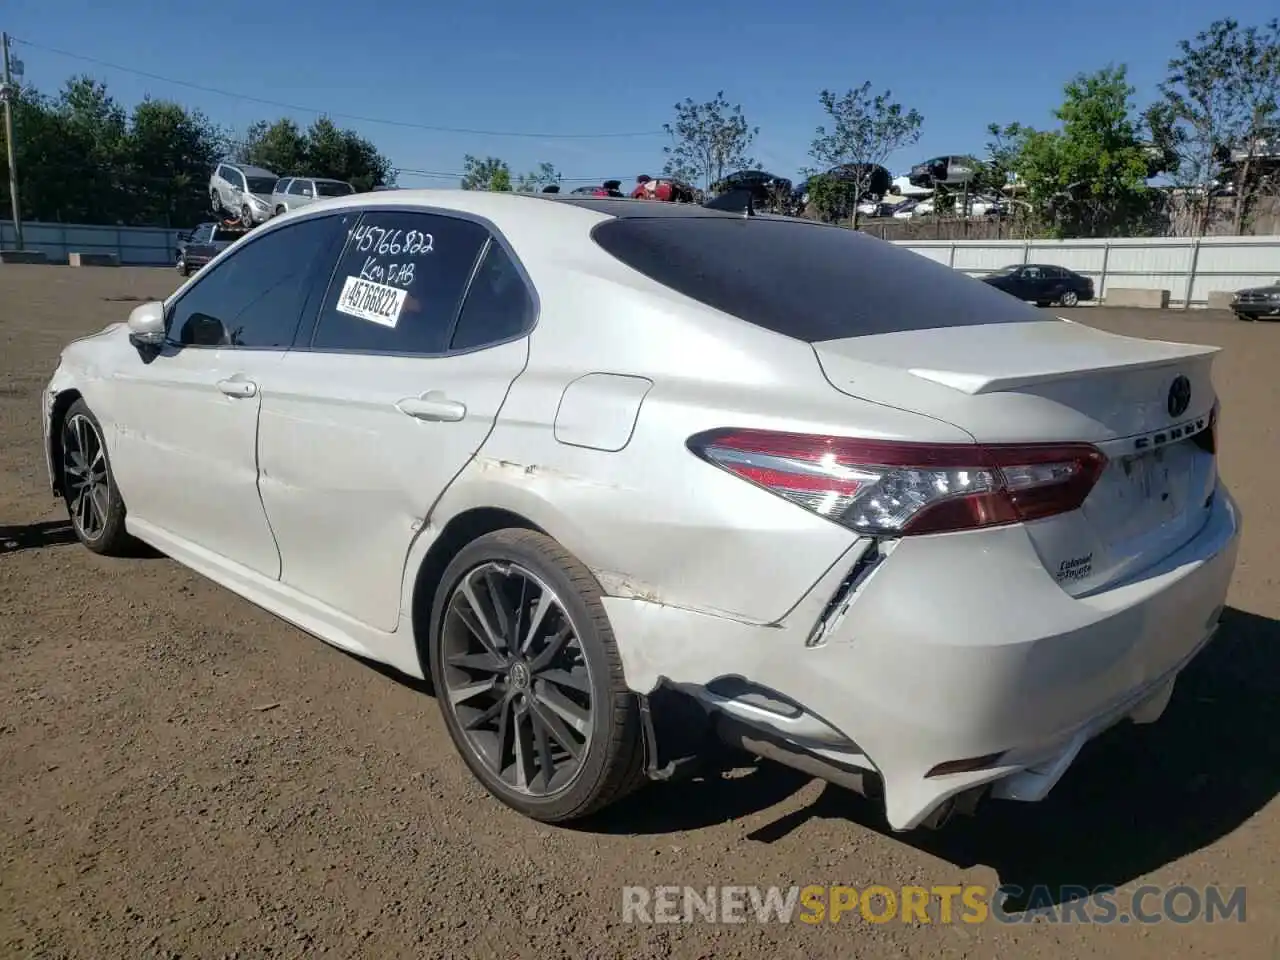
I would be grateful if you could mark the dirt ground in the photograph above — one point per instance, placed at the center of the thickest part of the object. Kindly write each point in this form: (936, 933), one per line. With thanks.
(181, 774)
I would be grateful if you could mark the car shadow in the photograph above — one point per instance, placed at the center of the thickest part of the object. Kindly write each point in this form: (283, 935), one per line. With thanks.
(33, 536)
(1138, 798)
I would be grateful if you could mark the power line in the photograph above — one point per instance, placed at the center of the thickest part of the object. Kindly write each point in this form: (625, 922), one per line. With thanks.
(345, 116)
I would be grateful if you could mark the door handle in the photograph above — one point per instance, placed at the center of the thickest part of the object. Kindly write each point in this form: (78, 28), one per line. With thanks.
(433, 405)
(240, 389)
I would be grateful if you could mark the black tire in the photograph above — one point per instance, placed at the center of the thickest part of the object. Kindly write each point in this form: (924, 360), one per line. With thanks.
(611, 762)
(1044, 303)
(107, 537)
(279, 210)
(1244, 316)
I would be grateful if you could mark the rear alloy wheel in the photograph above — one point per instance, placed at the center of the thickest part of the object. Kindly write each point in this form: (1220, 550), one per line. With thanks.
(88, 485)
(529, 678)
(1069, 299)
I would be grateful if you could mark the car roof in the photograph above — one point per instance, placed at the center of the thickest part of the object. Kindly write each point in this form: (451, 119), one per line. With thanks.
(249, 170)
(505, 208)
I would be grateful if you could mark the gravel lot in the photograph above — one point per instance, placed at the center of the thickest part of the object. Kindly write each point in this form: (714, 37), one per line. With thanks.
(181, 774)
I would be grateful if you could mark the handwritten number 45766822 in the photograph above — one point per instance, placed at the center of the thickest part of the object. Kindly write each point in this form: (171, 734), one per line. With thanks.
(382, 241)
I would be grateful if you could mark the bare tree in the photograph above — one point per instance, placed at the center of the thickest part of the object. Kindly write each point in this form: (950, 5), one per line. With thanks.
(865, 130)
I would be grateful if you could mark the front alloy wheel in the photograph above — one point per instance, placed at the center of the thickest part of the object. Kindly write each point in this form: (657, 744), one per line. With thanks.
(1070, 298)
(529, 678)
(93, 503)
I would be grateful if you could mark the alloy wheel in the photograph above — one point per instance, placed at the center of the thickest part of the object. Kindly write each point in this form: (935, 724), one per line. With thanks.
(1070, 299)
(85, 481)
(516, 678)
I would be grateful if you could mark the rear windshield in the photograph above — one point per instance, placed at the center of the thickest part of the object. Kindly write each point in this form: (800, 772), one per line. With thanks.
(329, 189)
(805, 280)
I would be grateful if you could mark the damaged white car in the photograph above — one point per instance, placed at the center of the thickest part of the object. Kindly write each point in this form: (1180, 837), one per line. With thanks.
(591, 464)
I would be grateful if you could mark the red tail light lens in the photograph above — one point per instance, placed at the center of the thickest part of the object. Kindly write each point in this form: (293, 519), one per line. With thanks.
(887, 488)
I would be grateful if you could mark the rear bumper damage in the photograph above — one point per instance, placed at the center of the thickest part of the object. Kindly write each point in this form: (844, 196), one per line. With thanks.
(938, 679)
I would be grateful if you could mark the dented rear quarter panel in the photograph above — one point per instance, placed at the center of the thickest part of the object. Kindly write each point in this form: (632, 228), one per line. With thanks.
(652, 520)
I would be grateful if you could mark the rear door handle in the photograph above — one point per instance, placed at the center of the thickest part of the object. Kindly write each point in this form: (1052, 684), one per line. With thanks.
(240, 389)
(433, 405)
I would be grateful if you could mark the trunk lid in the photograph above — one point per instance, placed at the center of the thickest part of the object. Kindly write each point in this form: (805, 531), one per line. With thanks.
(1058, 381)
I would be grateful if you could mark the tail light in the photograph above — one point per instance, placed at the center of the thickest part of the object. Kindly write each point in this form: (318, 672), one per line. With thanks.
(886, 488)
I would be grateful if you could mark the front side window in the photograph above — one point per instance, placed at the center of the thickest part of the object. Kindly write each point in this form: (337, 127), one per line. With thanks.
(399, 283)
(254, 298)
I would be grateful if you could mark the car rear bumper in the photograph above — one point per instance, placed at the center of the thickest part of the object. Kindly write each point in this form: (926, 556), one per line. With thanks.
(987, 667)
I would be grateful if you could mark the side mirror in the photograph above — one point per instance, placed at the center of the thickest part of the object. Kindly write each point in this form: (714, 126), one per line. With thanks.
(146, 325)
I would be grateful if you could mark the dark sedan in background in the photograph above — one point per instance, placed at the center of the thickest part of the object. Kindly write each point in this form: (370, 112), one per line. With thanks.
(1257, 302)
(204, 243)
(1042, 283)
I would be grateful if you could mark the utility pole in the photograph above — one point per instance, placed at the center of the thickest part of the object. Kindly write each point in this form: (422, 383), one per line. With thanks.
(9, 93)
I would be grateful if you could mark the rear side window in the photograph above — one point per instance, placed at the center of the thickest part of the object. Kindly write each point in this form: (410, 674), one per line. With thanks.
(399, 284)
(808, 281)
(498, 305)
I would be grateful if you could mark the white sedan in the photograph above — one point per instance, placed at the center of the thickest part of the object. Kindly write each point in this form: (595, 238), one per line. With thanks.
(600, 468)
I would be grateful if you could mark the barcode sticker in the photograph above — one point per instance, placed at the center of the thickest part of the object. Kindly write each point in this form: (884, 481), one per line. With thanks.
(375, 302)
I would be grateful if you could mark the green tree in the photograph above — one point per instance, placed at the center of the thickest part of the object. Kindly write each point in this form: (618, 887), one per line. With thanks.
(1220, 103)
(345, 155)
(170, 153)
(280, 147)
(97, 128)
(1088, 178)
(491, 173)
(831, 197)
(708, 141)
(532, 182)
(865, 131)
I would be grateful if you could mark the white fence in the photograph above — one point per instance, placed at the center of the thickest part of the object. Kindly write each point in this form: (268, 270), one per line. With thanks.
(1189, 268)
(142, 246)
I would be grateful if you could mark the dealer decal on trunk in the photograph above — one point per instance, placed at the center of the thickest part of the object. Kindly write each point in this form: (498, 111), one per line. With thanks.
(375, 302)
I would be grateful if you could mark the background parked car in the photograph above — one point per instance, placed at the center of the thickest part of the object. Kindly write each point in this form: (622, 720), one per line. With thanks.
(203, 244)
(242, 191)
(1257, 302)
(1043, 283)
(768, 191)
(290, 193)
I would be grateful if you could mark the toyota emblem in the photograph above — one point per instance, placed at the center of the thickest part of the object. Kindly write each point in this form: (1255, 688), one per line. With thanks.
(1179, 396)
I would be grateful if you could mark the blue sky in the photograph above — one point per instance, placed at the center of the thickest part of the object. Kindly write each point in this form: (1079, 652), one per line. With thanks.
(584, 68)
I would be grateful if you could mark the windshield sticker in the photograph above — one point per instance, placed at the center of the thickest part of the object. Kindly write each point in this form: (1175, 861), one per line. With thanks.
(375, 302)
(408, 243)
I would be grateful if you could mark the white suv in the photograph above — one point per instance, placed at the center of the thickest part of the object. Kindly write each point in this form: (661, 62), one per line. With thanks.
(242, 191)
